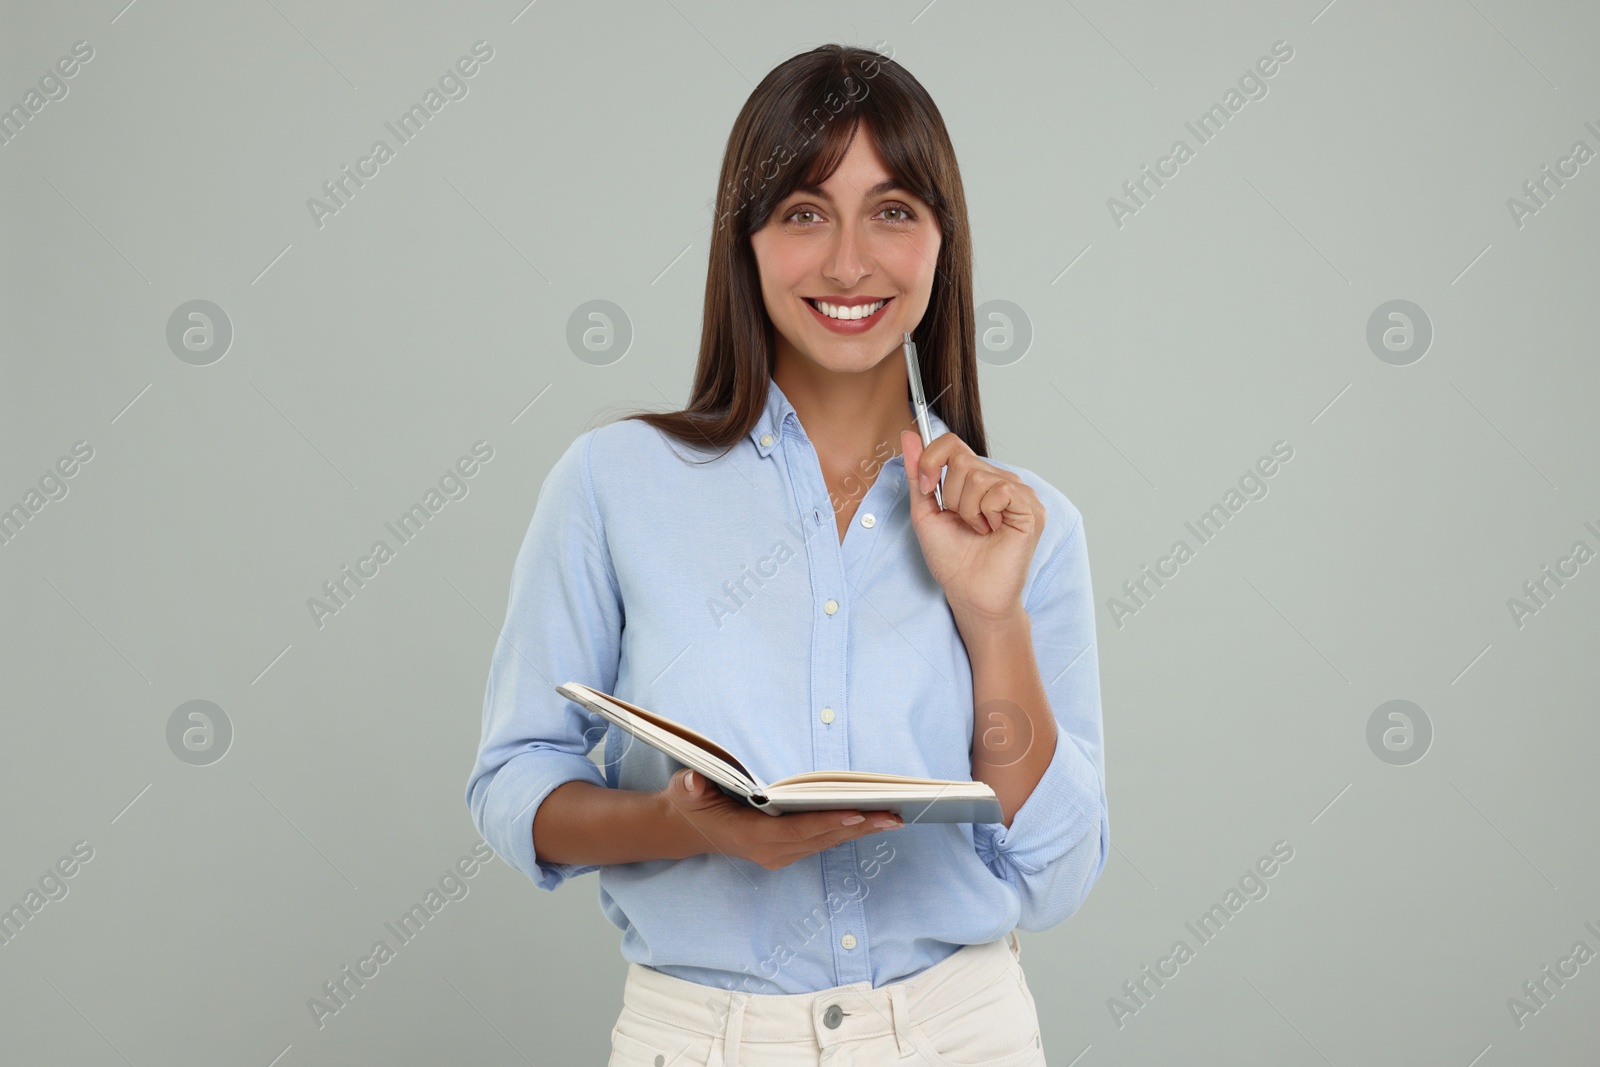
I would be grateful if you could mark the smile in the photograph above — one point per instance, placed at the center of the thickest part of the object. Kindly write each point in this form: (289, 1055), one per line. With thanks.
(840, 319)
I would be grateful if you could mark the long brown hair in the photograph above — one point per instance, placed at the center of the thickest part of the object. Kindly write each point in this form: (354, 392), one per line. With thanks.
(796, 127)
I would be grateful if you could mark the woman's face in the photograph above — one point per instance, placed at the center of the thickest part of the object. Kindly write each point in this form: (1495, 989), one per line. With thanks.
(854, 243)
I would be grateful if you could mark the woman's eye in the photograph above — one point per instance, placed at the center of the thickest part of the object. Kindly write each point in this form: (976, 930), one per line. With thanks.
(899, 212)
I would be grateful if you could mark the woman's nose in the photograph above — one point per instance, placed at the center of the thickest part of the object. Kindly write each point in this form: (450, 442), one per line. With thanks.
(847, 259)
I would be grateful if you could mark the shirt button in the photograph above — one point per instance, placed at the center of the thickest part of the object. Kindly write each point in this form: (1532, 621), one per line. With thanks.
(766, 439)
(831, 606)
(848, 941)
(869, 521)
(827, 714)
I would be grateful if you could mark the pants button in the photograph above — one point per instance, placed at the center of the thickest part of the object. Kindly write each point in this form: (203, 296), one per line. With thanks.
(833, 1017)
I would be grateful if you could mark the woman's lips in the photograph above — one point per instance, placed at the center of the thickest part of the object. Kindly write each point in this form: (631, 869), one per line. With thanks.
(849, 325)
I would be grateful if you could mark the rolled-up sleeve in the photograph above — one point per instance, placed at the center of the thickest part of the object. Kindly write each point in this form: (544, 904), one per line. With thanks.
(563, 623)
(1056, 845)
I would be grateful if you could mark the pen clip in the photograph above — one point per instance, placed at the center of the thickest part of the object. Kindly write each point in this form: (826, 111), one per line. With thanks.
(914, 374)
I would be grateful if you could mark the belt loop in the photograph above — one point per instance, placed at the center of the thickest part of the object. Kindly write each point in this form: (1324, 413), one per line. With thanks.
(734, 1030)
(1016, 945)
(902, 1018)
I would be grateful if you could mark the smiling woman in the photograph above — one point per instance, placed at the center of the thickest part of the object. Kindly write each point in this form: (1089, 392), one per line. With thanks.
(901, 638)
(863, 209)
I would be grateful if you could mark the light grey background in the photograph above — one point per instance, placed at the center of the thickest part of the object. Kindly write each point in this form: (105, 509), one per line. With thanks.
(431, 312)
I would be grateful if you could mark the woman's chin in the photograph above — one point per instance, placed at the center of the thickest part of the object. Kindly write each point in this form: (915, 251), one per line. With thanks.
(853, 362)
(854, 354)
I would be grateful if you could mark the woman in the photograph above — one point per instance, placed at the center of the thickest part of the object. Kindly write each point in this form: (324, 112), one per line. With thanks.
(900, 637)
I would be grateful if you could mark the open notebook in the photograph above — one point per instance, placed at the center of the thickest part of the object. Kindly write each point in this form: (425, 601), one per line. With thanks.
(913, 799)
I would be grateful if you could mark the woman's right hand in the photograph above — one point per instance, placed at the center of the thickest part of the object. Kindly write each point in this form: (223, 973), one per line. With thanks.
(722, 823)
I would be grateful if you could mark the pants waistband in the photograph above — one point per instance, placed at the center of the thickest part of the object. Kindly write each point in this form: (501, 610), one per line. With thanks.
(843, 1013)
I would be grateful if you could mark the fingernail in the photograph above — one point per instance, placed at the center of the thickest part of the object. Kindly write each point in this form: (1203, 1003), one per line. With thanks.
(887, 823)
(851, 820)
(926, 483)
(688, 780)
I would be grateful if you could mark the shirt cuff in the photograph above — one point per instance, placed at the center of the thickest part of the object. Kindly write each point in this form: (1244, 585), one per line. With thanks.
(1064, 806)
(514, 797)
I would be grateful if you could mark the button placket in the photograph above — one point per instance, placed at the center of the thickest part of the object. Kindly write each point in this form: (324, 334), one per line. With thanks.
(830, 744)
(864, 535)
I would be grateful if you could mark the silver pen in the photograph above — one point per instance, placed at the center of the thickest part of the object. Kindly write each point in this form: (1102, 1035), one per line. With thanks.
(919, 405)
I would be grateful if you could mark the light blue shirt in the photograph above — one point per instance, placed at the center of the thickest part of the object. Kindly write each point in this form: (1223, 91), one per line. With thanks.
(720, 595)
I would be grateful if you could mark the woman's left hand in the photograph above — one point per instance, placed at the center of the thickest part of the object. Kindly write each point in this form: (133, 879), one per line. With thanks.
(979, 547)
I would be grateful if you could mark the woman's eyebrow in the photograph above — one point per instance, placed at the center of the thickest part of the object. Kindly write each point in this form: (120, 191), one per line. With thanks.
(885, 186)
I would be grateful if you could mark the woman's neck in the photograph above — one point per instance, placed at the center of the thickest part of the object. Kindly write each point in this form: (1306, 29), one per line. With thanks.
(850, 418)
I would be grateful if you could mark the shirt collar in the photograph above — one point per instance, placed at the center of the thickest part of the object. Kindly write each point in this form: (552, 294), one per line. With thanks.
(779, 414)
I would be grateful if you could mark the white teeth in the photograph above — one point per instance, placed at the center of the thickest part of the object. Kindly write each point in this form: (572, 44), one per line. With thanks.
(836, 312)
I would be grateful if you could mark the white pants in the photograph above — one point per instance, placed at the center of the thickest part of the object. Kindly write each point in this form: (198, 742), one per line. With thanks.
(971, 1009)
